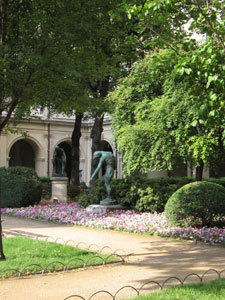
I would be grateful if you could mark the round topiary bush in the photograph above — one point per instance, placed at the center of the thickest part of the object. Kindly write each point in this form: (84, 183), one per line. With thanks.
(20, 186)
(197, 204)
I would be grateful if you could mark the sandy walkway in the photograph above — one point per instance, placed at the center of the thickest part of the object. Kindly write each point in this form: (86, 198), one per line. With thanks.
(154, 259)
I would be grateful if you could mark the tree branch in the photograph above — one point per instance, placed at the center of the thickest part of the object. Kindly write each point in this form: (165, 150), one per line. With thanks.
(3, 14)
(168, 44)
(210, 24)
(9, 114)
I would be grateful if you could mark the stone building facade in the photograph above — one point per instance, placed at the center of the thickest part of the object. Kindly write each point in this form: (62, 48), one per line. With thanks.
(34, 141)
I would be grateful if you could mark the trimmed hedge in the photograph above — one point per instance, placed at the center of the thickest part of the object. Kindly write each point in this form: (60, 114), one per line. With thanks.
(20, 186)
(146, 194)
(197, 204)
(135, 192)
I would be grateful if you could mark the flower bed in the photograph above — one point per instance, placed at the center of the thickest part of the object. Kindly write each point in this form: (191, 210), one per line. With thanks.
(118, 220)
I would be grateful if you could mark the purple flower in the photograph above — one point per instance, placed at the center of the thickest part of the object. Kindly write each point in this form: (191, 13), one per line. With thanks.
(118, 220)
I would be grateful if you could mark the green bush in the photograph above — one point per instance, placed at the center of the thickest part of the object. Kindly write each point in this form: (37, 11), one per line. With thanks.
(46, 186)
(220, 181)
(126, 191)
(20, 186)
(74, 191)
(139, 193)
(155, 196)
(136, 192)
(197, 204)
(146, 194)
(91, 195)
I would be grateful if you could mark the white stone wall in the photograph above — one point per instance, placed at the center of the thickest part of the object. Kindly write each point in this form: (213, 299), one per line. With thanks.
(44, 135)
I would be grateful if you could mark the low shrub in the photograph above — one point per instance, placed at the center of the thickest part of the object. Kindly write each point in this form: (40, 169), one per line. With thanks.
(155, 196)
(136, 192)
(139, 193)
(126, 190)
(74, 191)
(197, 204)
(91, 195)
(20, 186)
(46, 186)
(146, 194)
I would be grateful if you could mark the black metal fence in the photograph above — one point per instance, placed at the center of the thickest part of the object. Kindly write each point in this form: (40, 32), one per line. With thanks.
(148, 286)
(57, 266)
(151, 285)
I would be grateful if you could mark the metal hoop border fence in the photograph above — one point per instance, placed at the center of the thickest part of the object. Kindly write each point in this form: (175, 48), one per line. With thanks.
(161, 286)
(67, 267)
(82, 245)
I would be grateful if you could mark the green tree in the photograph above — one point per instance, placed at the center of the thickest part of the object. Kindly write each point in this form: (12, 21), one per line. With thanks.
(168, 18)
(182, 119)
(193, 79)
(108, 44)
(111, 44)
(132, 105)
(36, 62)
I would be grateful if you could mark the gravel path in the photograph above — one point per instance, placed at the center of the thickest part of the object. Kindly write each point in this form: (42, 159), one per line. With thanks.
(153, 258)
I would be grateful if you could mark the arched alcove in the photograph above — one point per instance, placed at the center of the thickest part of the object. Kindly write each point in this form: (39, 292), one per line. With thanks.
(22, 153)
(105, 146)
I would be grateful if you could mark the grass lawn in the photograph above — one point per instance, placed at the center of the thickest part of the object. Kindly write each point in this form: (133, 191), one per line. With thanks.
(213, 290)
(40, 255)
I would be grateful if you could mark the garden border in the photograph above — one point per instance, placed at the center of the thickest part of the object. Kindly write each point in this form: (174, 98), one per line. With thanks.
(143, 286)
(65, 267)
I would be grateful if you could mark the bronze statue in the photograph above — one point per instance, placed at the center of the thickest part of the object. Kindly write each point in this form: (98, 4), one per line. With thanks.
(108, 159)
(59, 162)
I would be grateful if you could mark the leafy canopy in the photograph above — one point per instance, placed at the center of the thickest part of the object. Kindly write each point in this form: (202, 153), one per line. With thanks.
(171, 107)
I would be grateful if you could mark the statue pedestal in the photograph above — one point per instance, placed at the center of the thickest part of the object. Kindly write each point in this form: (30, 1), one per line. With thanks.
(59, 189)
(104, 208)
(108, 201)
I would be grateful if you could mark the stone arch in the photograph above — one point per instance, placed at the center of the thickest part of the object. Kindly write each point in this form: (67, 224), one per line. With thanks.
(67, 147)
(27, 152)
(105, 146)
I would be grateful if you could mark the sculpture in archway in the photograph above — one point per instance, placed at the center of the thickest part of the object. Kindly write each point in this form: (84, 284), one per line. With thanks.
(59, 162)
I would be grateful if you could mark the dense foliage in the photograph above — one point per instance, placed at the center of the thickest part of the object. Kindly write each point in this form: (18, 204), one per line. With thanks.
(20, 186)
(162, 111)
(92, 195)
(46, 186)
(171, 106)
(196, 204)
(139, 193)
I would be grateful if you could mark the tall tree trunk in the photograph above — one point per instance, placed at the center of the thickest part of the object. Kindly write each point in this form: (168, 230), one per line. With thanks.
(221, 154)
(2, 256)
(199, 171)
(75, 174)
(96, 137)
(102, 90)
(3, 22)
